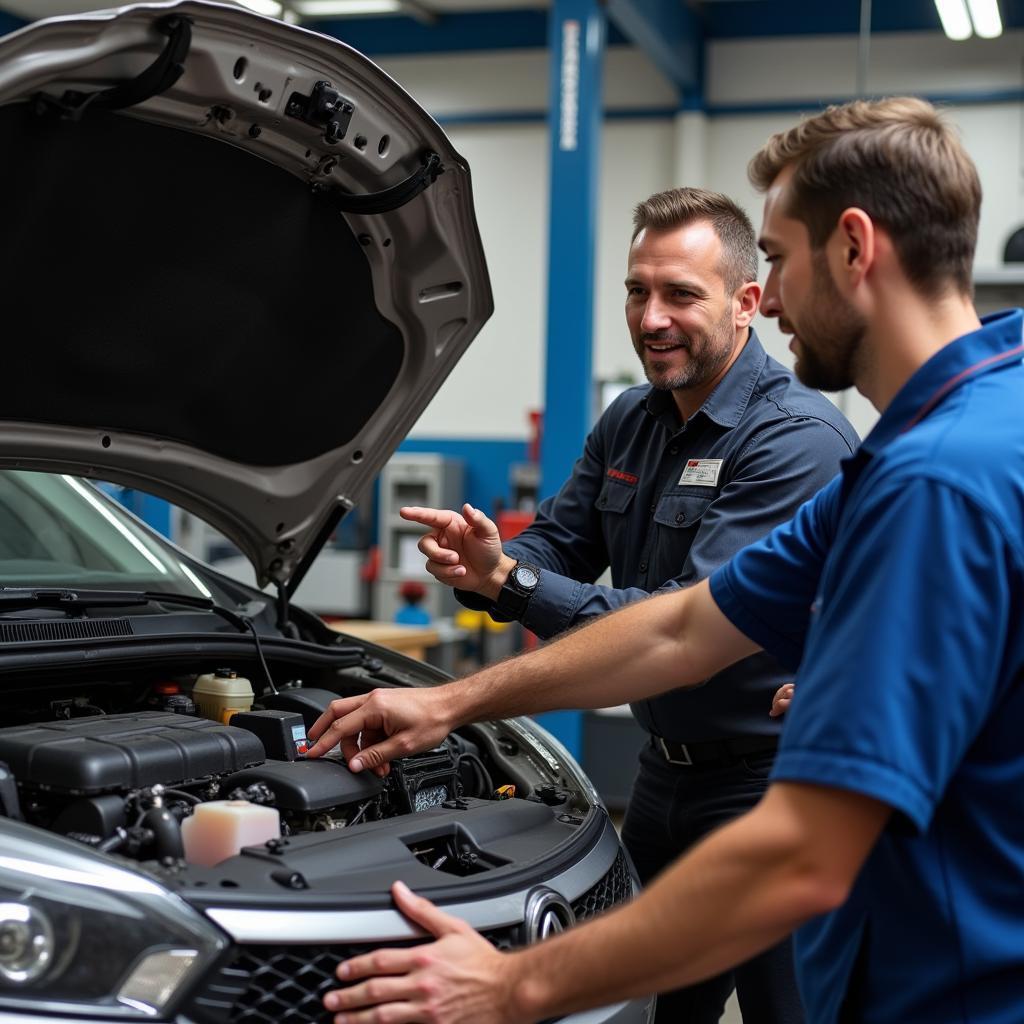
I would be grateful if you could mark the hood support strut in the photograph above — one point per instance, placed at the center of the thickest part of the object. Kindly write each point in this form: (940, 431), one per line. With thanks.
(283, 622)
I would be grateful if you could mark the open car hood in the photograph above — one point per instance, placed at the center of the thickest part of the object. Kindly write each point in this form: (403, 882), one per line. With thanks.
(238, 262)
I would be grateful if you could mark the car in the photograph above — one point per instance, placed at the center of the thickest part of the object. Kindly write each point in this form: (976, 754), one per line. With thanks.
(238, 261)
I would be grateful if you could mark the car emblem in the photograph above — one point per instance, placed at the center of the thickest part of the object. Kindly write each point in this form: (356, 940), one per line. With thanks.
(547, 913)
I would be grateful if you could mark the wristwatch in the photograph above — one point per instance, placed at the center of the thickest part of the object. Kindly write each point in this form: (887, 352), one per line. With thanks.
(516, 592)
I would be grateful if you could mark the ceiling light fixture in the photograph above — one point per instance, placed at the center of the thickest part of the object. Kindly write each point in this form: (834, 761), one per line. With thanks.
(985, 15)
(955, 21)
(344, 8)
(271, 8)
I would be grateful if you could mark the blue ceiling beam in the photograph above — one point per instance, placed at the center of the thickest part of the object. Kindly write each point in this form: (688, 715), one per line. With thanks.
(518, 29)
(739, 19)
(669, 33)
(8, 23)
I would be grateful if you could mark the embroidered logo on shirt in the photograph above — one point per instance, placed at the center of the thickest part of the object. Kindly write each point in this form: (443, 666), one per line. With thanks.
(702, 472)
(626, 478)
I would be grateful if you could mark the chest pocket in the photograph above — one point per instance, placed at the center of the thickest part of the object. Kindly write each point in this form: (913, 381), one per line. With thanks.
(615, 497)
(682, 511)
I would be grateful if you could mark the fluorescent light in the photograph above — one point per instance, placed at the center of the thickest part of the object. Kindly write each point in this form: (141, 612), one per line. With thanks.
(985, 15)
(955, 21)
(344, 8)
(117, 524)
(196, 581)
(271, 8)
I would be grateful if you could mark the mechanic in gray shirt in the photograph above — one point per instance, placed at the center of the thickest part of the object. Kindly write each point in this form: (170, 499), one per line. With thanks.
(675, 478)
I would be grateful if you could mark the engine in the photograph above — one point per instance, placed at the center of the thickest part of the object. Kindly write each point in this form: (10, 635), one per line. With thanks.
(125, 782)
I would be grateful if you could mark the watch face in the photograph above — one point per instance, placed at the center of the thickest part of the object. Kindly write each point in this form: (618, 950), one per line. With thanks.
(526, 577)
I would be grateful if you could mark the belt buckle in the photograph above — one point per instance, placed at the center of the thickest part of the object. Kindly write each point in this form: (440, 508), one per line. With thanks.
(668, 756)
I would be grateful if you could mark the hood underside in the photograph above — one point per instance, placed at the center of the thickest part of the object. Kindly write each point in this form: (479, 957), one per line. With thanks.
(240, 262)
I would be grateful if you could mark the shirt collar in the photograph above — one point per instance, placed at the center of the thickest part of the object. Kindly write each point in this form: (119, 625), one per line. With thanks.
(997, 343)
(727, 403)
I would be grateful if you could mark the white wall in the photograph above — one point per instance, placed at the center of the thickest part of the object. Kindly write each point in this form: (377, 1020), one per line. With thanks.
(502, 376)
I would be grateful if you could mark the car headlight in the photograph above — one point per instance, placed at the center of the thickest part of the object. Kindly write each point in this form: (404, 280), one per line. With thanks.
(79, 934)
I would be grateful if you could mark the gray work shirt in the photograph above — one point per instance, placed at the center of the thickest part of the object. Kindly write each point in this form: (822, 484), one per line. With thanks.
(664, 504)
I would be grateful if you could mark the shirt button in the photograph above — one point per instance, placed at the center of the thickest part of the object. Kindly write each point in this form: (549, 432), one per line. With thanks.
(643, 567)
(653, 507)
(674, 450)
(680, 518)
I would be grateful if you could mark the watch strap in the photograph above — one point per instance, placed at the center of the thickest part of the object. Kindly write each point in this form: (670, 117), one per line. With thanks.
(512, 599)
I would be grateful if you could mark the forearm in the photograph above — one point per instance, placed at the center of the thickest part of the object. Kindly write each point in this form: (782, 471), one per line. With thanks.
(644, 649)
(739, 892)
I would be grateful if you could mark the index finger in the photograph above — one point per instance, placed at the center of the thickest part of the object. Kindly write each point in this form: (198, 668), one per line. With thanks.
(337, 722)
(434, 517)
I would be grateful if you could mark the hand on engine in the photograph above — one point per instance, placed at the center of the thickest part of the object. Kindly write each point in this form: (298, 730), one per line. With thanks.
(377, 727)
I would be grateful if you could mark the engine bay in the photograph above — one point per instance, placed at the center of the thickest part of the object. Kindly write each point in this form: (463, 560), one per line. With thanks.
(122, 765)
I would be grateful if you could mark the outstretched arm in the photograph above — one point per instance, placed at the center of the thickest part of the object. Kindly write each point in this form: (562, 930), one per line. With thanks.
(738, 892)
(676, 639)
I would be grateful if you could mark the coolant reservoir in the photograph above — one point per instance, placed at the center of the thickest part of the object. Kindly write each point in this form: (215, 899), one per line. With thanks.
(221, 694)
(219, 829)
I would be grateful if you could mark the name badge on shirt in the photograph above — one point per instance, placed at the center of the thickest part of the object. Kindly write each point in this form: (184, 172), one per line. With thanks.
(702, 472)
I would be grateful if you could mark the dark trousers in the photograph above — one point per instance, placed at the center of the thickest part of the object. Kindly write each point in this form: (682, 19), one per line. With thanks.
(671, 808)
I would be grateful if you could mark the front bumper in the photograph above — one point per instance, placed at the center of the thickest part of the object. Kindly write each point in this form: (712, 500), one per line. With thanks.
(636, 1011)
(282, 958)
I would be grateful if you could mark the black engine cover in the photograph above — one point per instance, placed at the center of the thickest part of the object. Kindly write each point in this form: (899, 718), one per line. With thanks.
(112, 753)
(309, 785)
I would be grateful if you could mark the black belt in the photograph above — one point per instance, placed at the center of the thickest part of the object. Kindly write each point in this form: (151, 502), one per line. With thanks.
(713, 751)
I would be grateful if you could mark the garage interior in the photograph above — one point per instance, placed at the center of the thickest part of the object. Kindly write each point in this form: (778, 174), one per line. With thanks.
(565, 130)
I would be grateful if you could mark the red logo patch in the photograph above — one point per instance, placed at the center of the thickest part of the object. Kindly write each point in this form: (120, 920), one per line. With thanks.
(626, 478)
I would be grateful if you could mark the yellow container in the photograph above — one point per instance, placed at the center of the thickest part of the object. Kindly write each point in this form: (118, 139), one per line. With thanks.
(221, 694)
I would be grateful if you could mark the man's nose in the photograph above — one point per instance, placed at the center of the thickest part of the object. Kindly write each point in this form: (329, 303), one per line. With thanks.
(655, 317)
(771, 306)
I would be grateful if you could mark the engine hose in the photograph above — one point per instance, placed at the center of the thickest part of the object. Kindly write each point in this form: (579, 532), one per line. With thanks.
(166, 832)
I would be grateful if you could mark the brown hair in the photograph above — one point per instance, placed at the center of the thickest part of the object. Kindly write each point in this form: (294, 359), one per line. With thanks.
(678, 207)
(900, 162)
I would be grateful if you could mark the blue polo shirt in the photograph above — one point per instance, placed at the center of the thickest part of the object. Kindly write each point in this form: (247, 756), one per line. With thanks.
(899, 593)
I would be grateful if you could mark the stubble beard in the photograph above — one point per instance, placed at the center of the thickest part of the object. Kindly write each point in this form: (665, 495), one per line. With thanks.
(837, 330)
(708, 353)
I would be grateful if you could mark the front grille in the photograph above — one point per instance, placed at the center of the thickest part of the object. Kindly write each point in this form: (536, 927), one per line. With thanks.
(615, 887)
(286, 983)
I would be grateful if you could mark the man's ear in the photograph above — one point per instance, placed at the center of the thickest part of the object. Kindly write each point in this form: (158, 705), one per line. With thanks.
(854, 246)
(745, 300)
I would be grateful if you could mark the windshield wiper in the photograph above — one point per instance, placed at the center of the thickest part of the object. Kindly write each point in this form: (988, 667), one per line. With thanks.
(65, 599)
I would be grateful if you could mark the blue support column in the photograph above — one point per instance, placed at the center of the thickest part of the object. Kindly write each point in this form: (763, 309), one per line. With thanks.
(576, 38)
(155, 512)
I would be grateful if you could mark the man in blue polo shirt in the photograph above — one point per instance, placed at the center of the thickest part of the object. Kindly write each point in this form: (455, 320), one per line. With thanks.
(892, 835)
(679, 474)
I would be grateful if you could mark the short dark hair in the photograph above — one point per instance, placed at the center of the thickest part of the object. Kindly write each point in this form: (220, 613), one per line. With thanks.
(677, 207)
(899, 161)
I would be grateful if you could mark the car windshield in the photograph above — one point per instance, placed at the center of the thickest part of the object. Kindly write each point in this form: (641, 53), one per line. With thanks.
(58, 531)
